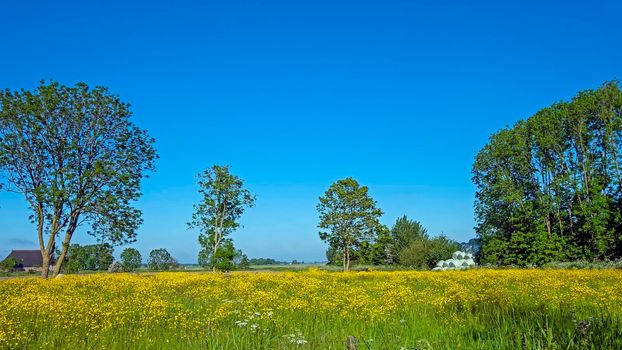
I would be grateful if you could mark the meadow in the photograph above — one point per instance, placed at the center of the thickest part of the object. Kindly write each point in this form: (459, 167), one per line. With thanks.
(314, 309)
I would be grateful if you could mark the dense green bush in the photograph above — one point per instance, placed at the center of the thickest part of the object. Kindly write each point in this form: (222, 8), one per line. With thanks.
(424, 253)
(227, 258)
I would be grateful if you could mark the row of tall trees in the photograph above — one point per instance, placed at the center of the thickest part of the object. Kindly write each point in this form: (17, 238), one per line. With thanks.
(550, 187)
(99, 257)
(349, 223)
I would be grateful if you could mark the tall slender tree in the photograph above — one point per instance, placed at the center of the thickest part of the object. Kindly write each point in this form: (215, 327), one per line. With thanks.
(224, 200)
(348, 218)
(77, 158)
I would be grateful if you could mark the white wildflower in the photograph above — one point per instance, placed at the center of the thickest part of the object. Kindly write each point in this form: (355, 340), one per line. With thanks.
(296, 338)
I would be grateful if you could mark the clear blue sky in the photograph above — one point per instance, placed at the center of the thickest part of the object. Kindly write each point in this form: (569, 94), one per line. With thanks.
(297, 94)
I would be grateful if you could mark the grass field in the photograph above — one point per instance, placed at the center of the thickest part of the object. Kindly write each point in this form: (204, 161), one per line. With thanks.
(475, 309)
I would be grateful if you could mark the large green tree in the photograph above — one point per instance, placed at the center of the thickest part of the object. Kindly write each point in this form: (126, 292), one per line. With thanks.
(348, 218)
(550, 187)
(224, 200)
(77, 158)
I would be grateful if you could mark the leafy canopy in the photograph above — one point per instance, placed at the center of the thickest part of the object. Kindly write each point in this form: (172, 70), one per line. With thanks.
(224, 200)
(405, 231)
(77, 158)
(160, 260)
(348, 217)
(549, 188)
(131, 259)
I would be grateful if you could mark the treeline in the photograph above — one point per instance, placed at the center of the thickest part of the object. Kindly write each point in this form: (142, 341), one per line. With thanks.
(349, 223)
(99, 257)
(550, 187)
(266, 261)
(407, 243)
(92, 257)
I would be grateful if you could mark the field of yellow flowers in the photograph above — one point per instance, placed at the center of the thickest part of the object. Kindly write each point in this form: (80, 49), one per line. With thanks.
(474, 309)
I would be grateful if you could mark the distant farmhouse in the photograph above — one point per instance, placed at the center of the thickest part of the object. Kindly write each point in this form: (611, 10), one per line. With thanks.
(27, 260)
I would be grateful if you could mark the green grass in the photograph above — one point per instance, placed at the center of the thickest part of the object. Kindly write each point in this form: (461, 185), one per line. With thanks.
(489, 329)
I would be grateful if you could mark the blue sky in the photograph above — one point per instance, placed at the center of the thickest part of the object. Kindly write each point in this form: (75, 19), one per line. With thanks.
(297, 94)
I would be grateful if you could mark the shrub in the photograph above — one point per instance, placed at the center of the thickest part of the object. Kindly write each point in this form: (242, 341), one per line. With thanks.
(424, 253)
(8, 264)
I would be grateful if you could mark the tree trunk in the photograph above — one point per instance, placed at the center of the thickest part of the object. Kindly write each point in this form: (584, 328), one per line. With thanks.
(45, 267)
(215, 250)
(346, 267)
(214, 256)
(217, 234)
(547, 219)
(61, 258)
(68, 234)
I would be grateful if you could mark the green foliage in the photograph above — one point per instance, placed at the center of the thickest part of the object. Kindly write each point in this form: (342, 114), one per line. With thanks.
(408, 244)
(406, 231)
(130, 259)
(224, 200)
(266, 261)
(334, 256)
(94, 257)
(424, 253)
(440, 248)
(349, 219)
(383, 251)
(550, 188)
(8, 264)
(227, 258)
(77, 158)
(161, 260)
(241, 261)
(414, 254)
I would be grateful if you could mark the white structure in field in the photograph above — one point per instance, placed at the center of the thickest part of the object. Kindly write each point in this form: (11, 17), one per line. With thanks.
(459, 261)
